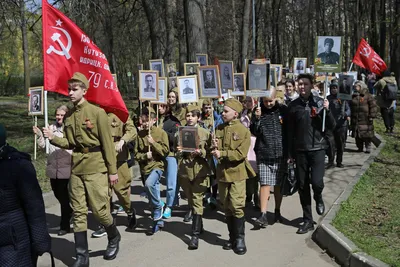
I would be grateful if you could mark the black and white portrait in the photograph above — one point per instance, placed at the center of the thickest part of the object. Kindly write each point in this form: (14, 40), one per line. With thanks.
(158, 65)
(300, 65)
(239, 85)
(226, 74)
(36, 100)
(148, 81)
(171, 70)
(273, 77)
(162, 91)
(209, 83)
(345, 86)
(191, 68)
(187, 87)
(188, 138)
(172, 83)
(279, 69)
(202, 59)
(329, 50)
(140, 66)
(257, 77)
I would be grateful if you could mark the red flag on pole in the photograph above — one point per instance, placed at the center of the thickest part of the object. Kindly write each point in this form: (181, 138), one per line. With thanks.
(367, 58)
(66, 50)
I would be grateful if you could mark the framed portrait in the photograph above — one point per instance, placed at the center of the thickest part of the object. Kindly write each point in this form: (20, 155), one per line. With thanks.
(202, 59)
(279, 69)
(289, 75)
(158, 65)
(35, 106)
(148, 85)
(162, 91)
(239, 84)
(187, 88)
(188, 138)
(258, 79)
(226, 74)
(345, 86)
(140, 66)
(191, 68)
(172, 83)
(299, 65)
(328, 54)
(171, 70)
(209, 83)
(273, 77)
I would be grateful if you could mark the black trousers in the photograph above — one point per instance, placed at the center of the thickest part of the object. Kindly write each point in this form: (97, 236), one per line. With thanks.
(60, 189)
(339, 135)
(388, 117)
(310, 169)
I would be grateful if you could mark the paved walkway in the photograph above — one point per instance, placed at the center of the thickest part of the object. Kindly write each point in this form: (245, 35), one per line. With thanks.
(278, 245)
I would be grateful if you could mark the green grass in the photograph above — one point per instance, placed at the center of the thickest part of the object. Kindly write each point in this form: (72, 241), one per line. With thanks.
(14, 116)
(371, 215)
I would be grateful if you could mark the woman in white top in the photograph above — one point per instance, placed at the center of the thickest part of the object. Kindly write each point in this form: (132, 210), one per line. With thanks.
(58, 169)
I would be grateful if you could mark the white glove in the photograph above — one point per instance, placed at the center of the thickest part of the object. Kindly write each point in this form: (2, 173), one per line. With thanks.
(118, 147)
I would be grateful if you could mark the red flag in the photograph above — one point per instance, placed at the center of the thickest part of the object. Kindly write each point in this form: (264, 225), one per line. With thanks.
(367, 58)
(66, 50)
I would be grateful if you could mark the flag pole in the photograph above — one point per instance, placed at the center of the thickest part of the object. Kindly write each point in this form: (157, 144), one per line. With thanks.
(46, 121)
(351, 66)
(35, 144)
(324, 115)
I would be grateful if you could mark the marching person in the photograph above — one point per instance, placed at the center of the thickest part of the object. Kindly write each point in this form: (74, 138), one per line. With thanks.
(340, 110)
(231, 145)
(194, 172)
(94, 167)
(306, 146)
(58, 169)
(290, 91)
(271, 150)
(387, 101)
(122, 134)
(151, 150)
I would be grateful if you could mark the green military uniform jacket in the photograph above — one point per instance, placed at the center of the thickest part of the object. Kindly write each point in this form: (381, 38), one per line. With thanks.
(86, 126)
(122, 131)
(179, 113)
(207, 121)
(233, 143)
(198, 167)
(159, 149)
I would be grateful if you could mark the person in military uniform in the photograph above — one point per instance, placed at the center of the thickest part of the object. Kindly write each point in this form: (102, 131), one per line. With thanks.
(231, 145)
(151, 150)
(194, 172)
(94, 167)
(122, 134)
(209, 82)
(328, 56)
(187, 90)
(149, 84)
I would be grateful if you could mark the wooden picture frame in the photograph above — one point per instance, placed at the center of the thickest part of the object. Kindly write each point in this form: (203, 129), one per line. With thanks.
(226, 75)
(279, 69)
(209, 82)
(162, 91)
(202, 59)
(273, 77)
(239, 84)
(35, 105)
(188, 138)
(299, 65)
(187, 68)
(148, 90)
(187, 88)
(258, 78)
(158, 65)
(171, 72)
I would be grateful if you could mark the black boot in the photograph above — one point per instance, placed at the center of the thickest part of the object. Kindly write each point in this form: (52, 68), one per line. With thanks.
(188, 216)
(196, 230)
(262, 220)
(132, 221)
(229, 244)
(81, 248)
(278, 217)
(239, 246)
(113, 242)
(320, 206)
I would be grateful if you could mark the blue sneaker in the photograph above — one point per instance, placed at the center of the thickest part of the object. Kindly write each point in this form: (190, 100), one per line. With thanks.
(158, 213)
(158, 226)
(167, 213)
(120, 210)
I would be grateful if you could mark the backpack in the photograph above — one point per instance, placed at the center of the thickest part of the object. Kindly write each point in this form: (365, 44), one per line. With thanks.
(389, 92)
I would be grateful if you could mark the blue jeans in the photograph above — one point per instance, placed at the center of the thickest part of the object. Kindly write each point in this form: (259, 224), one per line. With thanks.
(152, 184)
(171, 177)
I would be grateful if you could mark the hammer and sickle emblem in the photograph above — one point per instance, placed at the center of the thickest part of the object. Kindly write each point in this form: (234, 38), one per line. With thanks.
(64, 49)
(365, 51)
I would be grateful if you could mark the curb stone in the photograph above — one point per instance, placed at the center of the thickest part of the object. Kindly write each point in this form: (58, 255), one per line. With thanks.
(336, 243)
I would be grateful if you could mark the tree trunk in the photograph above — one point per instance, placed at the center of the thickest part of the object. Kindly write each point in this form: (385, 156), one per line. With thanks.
(245, 35)
(382, 18)
(195, 31)
(108, 30)
(27, 76)
(170, 53)
(395, 52)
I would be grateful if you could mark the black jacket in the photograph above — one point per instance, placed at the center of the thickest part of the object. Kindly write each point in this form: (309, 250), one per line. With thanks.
(340, 110)
(304, 128)
(23, 229)
(270, 133)
(170, 125)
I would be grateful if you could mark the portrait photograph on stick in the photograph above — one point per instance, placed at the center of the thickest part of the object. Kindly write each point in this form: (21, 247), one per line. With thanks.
(202, 59)
(171, 70)
(191, 68)
(158, 65)
(239, 84)
(35, 106)
(328, 54)
(148, 85)
(188, 138)
(209, 83)
(345, 86)
(299, 65)
(258, 78)
(187, 88)
(273, 77)
(279, 69)
(226, 74)
(162, 91)
(172, 83)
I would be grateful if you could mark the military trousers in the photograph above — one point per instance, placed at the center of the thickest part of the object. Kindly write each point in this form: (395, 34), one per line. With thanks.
(92, 189)
(233, 197)
(123, 188)
(195, 190)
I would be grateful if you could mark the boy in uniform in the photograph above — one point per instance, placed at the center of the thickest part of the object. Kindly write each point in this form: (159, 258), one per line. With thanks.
(94, 168)
(232, 143)
(151, 150)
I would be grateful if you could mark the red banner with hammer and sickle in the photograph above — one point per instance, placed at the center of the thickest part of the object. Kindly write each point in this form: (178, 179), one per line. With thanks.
(66, 50)
(367, 58)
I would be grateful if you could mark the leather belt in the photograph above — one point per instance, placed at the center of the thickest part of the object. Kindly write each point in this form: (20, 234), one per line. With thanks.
(86, 150)
(117, 138)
